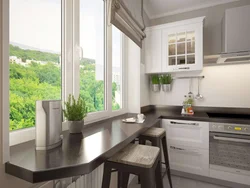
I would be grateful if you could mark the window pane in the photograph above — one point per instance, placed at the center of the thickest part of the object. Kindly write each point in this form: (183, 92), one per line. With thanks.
(171, 38)
(181, 37)
(171, 49)
(35, 50)
(191, 47)
(92, 84)
(180, 48)
(171, 61)
(181, 60)
(116, 69)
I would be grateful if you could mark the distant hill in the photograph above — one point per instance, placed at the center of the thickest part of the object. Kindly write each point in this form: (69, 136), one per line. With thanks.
(26, 47)
(37, 55)
(87, 61)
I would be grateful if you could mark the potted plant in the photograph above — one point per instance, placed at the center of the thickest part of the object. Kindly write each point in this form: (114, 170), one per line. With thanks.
(75, 111)
(156, 83)
(166, 81)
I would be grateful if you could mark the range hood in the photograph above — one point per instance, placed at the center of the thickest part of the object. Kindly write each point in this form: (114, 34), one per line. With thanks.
(228, 58)
(235, 38)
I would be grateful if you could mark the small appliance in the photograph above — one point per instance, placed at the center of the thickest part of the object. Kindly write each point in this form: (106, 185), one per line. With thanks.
(48, 124)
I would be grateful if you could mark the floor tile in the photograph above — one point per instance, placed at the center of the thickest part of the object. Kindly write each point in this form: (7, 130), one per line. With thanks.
(179, 182)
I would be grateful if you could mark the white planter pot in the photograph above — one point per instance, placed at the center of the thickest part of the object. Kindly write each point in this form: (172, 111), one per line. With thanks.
(166, 87)
(75, 126)
(156, 87)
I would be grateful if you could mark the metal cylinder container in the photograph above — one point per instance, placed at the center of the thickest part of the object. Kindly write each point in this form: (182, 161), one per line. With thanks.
(48, 124)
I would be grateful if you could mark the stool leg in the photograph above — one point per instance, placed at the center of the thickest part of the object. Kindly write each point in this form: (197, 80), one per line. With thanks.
(125, 178)
(165, 152)
(156, 142)
(148, 179)
(106, 176)
(158, 177)
(142, 141)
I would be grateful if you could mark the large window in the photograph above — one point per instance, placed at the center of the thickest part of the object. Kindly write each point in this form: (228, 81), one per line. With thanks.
(44, 64)
(92, 65)
(34, 60)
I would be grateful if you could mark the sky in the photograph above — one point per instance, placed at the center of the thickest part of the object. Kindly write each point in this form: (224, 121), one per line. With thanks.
(37, 23)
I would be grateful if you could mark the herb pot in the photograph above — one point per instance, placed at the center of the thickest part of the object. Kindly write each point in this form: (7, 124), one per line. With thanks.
(166, 87)
(156, 87)
(75, 127)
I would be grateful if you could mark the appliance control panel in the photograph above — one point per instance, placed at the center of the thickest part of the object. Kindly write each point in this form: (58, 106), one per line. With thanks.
(230, 128)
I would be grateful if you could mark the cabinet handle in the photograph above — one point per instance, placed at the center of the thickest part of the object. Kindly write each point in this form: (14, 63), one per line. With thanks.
(184, 150)
(175, 148)
(193, 124)
(184, 68)
(231, 139)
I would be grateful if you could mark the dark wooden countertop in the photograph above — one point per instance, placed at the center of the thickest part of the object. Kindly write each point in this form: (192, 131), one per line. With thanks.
(81, 154)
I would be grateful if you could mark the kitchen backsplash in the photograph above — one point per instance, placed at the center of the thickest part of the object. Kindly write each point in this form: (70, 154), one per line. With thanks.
(223, 86)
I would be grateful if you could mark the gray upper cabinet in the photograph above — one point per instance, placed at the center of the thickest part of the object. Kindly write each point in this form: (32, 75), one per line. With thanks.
(236, 29)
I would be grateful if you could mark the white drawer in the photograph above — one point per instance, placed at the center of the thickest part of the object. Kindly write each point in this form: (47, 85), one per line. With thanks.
(190, 160)
(187, 133)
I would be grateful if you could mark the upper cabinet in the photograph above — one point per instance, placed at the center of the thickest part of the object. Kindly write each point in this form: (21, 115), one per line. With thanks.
(152, 51)
(236, 29)
(175, 47)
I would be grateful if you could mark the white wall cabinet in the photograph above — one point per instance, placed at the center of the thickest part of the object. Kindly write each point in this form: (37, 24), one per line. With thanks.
(175, 47)
(152, 51)
(188, 145)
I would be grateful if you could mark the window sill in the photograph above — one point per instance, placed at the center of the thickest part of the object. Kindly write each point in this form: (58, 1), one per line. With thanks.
(28, 134)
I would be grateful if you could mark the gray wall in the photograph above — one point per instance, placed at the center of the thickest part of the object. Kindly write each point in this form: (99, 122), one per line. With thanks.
(213, 26)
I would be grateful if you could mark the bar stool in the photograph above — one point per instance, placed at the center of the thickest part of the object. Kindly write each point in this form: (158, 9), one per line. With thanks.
(140, 160)
(157, 136)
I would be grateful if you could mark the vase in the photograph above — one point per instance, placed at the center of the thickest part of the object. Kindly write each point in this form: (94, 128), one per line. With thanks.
(156, 87)
(166, 87)
(75, 127)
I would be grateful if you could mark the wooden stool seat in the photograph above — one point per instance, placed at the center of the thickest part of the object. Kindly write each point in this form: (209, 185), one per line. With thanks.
(137, 155)
(154, 132)
(143, 161)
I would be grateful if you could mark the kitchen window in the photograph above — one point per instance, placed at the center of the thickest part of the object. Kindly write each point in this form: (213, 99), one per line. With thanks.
(59, 48)
(34, 58)
(93, 63)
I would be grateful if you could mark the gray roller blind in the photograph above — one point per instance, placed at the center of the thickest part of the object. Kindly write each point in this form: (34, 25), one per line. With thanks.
(127, 15)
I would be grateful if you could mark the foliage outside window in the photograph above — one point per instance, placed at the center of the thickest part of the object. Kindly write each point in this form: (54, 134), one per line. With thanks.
(35, 58)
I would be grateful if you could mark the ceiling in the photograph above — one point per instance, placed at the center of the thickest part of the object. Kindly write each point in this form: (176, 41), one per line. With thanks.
(160, 8)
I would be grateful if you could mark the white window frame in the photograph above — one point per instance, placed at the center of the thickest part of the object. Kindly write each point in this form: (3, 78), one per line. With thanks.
(70, 75)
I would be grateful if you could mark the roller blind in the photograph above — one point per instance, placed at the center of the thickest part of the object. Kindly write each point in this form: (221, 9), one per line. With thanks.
(127, 15)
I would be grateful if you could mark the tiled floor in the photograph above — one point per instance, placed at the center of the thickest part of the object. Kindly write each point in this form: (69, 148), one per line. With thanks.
(179, 182)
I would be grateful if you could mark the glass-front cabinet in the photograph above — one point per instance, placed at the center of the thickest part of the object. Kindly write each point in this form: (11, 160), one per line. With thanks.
(175, 47)
(182, 48)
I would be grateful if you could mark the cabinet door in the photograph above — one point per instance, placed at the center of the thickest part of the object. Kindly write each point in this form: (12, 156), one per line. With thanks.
(182, 48)
(152, 51)
(190, 160)
(187, 133)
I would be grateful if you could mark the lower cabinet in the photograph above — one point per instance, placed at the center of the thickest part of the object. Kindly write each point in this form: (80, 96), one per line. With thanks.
(188, 145)
(190, 160)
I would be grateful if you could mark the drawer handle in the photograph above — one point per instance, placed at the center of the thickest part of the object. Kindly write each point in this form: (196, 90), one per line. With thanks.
(193, 124)
(185, 68)
(175, 148)
(185, 151)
